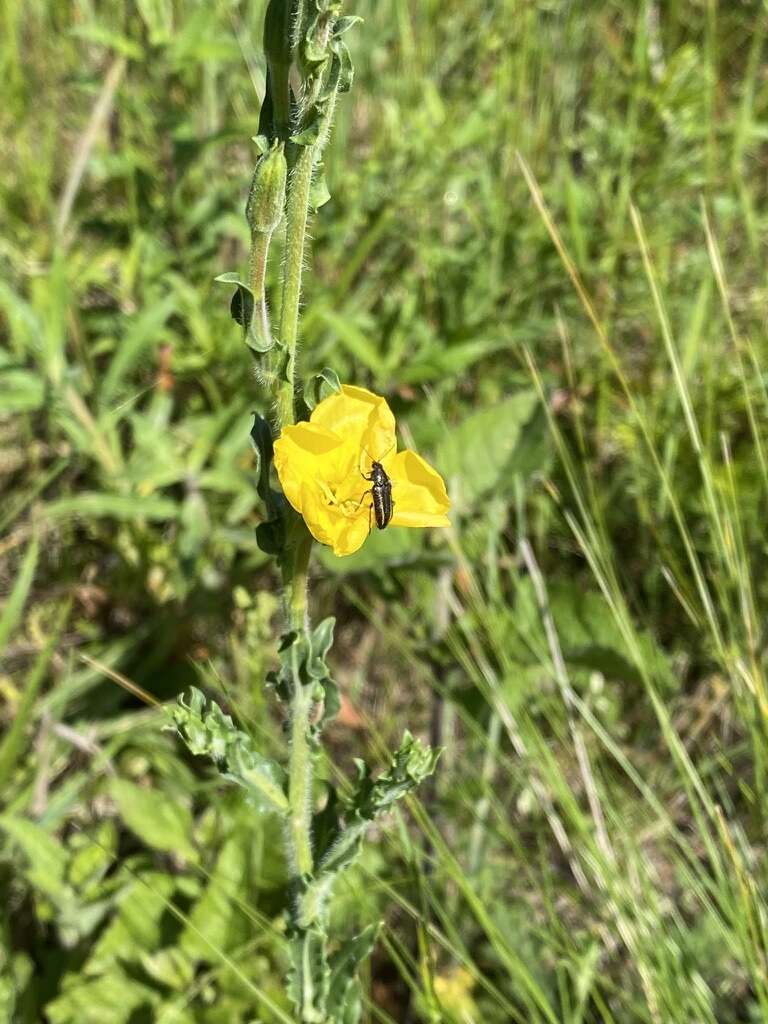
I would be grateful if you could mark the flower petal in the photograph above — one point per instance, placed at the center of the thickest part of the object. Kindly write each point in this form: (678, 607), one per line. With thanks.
(307, 453)
(361, 418)
(418, 492)
(330, 525)
(351, 534)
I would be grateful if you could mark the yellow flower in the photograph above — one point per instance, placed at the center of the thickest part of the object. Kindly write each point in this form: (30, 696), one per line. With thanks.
(322, 467)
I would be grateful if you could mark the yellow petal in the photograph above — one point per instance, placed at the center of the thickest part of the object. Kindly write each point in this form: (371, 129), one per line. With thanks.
(418, 492)
(361, 418)
(308, 454)
(351, 534)
(344, 531)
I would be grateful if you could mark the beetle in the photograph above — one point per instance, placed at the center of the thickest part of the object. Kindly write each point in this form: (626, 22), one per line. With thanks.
(381, 493)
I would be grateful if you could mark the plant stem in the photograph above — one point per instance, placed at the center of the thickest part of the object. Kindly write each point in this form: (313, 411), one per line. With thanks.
(297, 213)
(295, 570)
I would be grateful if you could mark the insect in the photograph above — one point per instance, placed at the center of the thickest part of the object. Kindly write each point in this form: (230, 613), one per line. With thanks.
(381, 493)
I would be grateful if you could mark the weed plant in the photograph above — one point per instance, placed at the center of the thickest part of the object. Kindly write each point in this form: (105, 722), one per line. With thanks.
(544, 245)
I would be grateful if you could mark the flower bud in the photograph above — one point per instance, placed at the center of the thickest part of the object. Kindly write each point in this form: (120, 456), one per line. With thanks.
(266, 198)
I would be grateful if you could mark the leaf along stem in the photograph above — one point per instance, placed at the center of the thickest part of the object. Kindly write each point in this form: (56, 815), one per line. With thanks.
(260, 241)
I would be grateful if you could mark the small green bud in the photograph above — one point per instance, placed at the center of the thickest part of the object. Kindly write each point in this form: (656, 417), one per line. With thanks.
(266, 198)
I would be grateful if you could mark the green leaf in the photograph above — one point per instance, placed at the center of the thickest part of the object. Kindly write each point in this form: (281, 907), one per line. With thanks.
(170, 966)
(305, 656)
(115, 997)
(46, 857)
(92, 856)
(321, 385)
(309, 977)
(194, 524)
(317, 669)
(261, 438)
(208, 731)
(346, 71)
(158, 17)
(20, 390)
(319, 194)
(157, 819)
(344, 996)
(411, 764)
(102, 36)
(242, 305)
(270, 536)
(137, 926)
(217, 922)
(480, 454)
(322, 639)
(384, 549)
(143, 331)
(125, 508)
(241, 309)
(344, 24)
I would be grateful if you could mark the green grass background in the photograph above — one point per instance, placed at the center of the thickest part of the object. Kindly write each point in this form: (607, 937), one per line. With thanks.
(546, 245)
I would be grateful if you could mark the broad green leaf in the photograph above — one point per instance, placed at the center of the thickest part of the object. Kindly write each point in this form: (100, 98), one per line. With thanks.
(143, 331)
(344, 997)
(447, 361)
(170, 966)
(45, 857)
(158, 17)
(90, 505)
(20, 391)
(480, 454)
(217, 922)
(92, 855)
(310, 975)
(136, 928)
(102, 36)
(114, 997)
(157, 819)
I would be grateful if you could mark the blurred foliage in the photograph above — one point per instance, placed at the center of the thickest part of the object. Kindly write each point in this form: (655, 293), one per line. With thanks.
(594, 845)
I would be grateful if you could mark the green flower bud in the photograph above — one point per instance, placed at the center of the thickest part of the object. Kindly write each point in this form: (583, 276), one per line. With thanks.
(266, 198)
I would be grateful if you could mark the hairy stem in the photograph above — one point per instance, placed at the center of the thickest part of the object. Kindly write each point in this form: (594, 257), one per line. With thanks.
(295, 568)
(297, 213)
